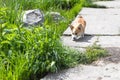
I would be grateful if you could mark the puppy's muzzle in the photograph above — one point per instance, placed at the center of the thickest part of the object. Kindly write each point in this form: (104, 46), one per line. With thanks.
(75, 37)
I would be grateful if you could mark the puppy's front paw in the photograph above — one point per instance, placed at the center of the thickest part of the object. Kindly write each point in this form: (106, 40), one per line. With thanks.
(73, 38)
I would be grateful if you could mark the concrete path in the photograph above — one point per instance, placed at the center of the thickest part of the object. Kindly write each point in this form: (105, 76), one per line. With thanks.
(100, 21)
(103, 27)
(88, 72)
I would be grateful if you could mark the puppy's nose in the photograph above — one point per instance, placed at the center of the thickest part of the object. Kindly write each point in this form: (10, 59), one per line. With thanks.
(74, 38)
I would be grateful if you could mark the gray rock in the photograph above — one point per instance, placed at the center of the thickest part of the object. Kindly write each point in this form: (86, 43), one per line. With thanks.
(56, 16)
(33, 17)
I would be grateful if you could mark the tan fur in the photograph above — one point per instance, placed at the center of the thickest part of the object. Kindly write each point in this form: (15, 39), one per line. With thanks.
(78, 26)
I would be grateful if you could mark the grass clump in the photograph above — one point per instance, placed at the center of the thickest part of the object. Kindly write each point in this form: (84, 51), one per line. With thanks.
(31, 53)
(92, 53)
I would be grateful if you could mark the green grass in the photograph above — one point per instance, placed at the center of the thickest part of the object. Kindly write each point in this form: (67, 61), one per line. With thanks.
(92, 53)
(30, 53)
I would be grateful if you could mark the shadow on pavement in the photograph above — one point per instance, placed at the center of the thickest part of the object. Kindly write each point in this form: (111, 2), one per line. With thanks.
(86, 38)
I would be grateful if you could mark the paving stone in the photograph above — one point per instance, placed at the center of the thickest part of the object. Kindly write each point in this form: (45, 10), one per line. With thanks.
(109, 4)
(109, 41)
(103, 41)
(99, 11)
(88, 72)
(100, 21)
(83, 42)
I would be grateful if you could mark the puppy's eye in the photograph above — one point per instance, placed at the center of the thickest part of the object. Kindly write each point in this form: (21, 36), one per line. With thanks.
(74, 33)
(79, 28)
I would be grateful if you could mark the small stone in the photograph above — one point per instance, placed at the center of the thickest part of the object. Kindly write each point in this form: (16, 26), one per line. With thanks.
(56, 16)
(33, 17)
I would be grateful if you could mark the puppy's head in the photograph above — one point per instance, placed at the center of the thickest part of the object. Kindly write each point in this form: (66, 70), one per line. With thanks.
(76, 31)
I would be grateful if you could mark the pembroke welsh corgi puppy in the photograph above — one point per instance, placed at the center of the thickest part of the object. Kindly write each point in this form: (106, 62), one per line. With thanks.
(78, 28)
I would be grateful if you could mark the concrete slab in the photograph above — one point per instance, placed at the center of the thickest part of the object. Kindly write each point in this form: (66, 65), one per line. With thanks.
(103, 41)
(99, 11)
(83, 42)
(107, 25)
(109, 4)
(88, 72)
(109, 41)
(100, 21)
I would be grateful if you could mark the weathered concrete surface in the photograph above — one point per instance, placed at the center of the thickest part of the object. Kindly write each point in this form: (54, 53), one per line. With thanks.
(88, 72)
(109, 4)
(109, 41)
(103, 41)
(114, 53)
(84, 42)
(100, 21)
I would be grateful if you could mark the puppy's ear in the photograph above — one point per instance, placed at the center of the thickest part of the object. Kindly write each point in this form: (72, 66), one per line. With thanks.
(71, 26)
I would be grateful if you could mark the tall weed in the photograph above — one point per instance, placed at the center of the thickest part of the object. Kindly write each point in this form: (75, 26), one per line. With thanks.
(35, 51)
